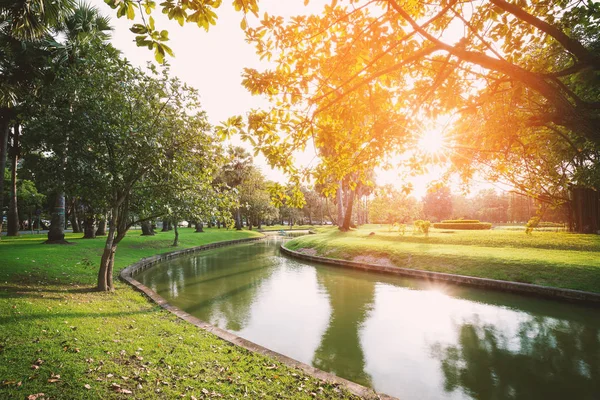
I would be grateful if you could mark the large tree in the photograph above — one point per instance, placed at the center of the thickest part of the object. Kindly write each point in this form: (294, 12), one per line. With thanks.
(538, 59)
(142, 141)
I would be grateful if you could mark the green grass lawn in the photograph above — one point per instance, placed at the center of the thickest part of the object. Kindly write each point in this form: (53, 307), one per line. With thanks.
(557, 259)
(60, 339)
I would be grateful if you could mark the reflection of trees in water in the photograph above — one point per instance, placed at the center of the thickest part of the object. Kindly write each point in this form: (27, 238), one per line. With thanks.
(226, 285)
(550, 359)
(340, 350)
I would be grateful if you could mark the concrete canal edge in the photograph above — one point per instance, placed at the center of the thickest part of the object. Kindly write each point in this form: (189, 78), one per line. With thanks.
(127, 275)
(515, 287)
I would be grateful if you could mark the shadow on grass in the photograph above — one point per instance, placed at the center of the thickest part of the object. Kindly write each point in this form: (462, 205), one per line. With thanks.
(30, 317)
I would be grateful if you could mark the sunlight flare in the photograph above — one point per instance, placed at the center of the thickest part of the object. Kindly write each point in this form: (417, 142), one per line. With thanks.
(432, 142)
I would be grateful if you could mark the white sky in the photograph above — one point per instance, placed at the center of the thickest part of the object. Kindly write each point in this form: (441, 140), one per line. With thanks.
(213, 63)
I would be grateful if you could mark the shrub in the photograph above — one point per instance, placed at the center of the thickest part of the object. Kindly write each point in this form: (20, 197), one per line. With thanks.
(460, 221)
(464, 226)
(421, 227)
(551, 225)
(531, 225)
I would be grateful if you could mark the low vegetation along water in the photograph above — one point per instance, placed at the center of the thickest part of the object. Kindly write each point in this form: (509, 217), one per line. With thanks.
(407, 338)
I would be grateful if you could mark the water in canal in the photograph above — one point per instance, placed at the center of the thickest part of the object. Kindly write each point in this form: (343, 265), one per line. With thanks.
(404, 337)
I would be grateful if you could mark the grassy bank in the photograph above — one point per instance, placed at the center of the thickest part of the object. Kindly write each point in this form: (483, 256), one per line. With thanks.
(556, 259)
(60, 339)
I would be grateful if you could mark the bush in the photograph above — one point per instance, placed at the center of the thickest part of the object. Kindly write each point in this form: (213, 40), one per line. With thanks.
(460, 221)
(465, 226)
(550, 225)
(421, 226)
(531, 225)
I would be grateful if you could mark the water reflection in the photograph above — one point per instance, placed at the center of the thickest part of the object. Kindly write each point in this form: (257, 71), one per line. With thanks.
(551, 359)
(408, 338)
(340, 350)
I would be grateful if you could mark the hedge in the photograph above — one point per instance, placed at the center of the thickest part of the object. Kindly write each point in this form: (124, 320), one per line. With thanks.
(460, 221)
(465, 226)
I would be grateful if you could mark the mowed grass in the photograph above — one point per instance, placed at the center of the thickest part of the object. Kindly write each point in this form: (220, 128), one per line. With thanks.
(558, 259)
(61, 339)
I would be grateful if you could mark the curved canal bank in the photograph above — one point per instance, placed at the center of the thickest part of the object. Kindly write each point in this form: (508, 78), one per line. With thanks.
(128, 273)
(508, 286)
(410, 338)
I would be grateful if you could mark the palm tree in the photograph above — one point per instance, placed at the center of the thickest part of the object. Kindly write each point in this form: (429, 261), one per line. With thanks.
(235, 171)
(25, 43)
(83, 29)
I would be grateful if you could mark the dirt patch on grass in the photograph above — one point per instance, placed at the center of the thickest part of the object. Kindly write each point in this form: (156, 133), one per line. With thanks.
(309, 252)
(374, 260)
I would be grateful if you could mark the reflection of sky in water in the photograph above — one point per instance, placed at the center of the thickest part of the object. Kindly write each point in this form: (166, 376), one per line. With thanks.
(403, 326)
(289, 292)
(407, 338)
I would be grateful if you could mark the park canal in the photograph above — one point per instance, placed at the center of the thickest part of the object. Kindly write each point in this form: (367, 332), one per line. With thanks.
(408, 338)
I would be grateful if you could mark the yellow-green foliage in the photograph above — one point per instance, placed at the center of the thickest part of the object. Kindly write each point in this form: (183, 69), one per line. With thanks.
(531, 225)
(421, 226)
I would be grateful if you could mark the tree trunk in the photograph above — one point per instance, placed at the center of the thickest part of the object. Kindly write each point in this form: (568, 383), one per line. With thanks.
(147, 228)
(101, 231)
(176, 239)
(4, 128)
(340, 205)
(13, 212)
(73, 217)
(348, 216)
(238, 220)
(56, 233)
(199, 227)
(218, 224)
(108, 256)
(90, 226)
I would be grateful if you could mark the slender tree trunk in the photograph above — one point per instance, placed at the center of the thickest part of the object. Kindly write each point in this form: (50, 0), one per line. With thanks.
(13, 212)
(199, 227)
(101, 231)
(176, 230)
(108, 255)
(348, 216)
(238, 220)
(340, 205)
(218, 224)
(4, 129)
(147, 228)
(73, 217)
(165, 225)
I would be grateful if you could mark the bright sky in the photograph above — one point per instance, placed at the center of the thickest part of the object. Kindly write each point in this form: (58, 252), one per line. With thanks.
(213, 62)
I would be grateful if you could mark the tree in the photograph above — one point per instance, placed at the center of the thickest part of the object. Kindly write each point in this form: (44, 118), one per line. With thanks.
(437, 203)
(25, 44)
(543, 56)
(199, 12)
(234, 172)
(84, 29)
(391, 206)
(126, 115)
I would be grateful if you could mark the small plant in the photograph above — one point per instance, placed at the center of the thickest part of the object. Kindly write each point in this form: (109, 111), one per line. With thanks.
(421, 226)
(402, 229)
(531, 225)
